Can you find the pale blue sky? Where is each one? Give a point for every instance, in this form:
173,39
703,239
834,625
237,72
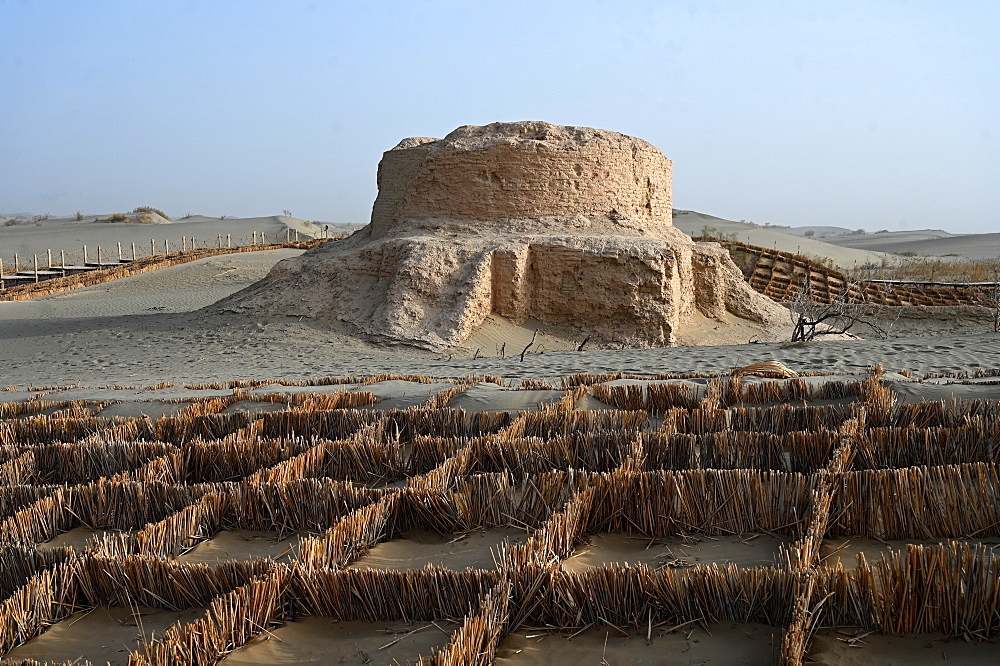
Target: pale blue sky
871,114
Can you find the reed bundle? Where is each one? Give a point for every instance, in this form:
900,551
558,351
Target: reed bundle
165,469
353,535
917,502
373,595
942,414
977,373
317,402
530,384
879,399
121,431
777,419
176,533
550,423
44,430
441,400
14,410
791,390
227,460
213,386
126,506
19,563
79,463
427,452
482,379
444,476
365,458
385,377
38,522
713,501
429,508
16,498
447,422
324,381
570,399
484,501
44,599
181,429
475,643
546,494
333,424
794,643
230,621
653,398
977,441
131,580
795,451
204,407
556,538
528,456
19,470
585,379
640,597
294,506
949,588
307,464
247,383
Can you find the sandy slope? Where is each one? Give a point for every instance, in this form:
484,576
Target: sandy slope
846,247
70,236
108,334
150,328
926,244
844,258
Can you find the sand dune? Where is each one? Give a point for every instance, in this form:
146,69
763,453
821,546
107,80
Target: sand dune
70,236
843,258
845,247
926,244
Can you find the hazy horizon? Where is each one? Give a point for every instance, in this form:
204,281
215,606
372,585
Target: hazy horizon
857,115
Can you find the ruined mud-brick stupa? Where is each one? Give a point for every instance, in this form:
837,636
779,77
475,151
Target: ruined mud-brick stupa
569,226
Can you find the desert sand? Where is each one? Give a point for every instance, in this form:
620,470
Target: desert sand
69,235
160,344
712,644
606,549
318,640
102,635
